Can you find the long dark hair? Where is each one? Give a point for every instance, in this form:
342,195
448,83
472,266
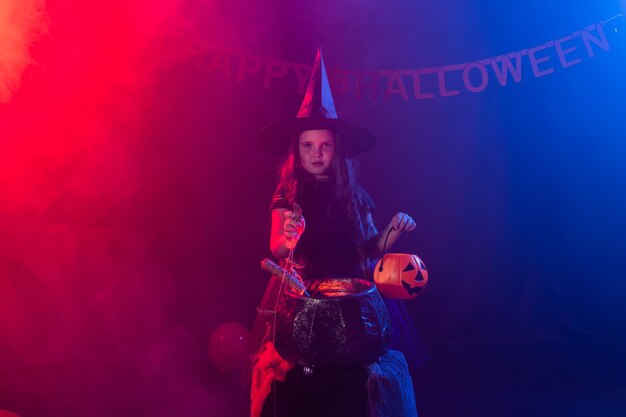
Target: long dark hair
349,195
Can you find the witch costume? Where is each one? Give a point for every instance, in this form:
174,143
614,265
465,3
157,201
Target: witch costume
328,249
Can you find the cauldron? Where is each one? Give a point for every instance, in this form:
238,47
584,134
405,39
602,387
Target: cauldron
343,323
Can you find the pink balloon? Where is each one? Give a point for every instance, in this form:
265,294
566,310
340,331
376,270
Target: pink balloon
5,413
229,347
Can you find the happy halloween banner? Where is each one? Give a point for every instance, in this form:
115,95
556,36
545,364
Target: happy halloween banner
414,83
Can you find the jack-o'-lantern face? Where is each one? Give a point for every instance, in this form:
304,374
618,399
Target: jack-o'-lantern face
413,275
401,275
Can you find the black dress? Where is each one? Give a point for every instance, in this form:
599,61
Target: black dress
325,248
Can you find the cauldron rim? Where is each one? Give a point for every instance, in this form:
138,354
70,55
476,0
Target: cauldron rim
368,285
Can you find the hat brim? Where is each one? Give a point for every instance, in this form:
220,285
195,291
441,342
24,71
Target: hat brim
355,138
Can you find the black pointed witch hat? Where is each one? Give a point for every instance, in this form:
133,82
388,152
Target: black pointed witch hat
317,112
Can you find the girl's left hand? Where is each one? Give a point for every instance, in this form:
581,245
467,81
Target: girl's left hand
403,222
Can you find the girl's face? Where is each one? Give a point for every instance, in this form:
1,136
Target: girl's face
317,149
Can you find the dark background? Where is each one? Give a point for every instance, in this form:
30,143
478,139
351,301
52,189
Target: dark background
134,203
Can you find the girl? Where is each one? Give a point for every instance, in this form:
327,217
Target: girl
333,236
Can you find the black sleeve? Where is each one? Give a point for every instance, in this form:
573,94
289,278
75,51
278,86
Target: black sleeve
370,245
366,202
279,199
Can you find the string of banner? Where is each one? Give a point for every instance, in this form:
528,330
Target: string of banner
410,84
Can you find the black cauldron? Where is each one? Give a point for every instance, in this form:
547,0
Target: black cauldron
343,323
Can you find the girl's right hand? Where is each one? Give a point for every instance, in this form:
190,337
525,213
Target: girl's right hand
293,227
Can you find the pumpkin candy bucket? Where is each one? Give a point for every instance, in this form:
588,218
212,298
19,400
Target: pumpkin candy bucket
400,275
